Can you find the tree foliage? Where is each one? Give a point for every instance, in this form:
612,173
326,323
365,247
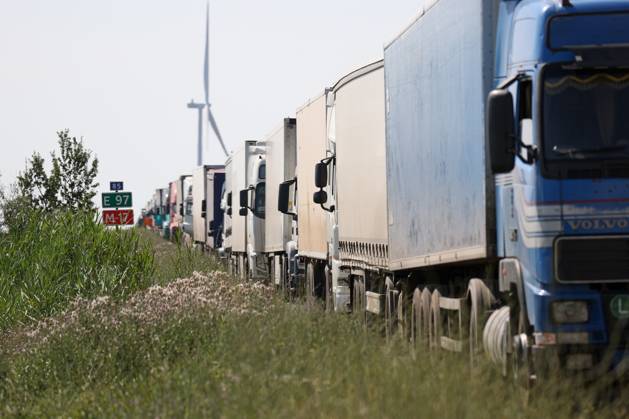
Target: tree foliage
70,183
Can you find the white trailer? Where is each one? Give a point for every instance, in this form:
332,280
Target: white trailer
281,159
247,237
225,250
312,125
207,183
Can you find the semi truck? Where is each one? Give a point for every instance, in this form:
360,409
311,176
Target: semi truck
507,146
280,246
187,206
308,271
248,172
352,184
178,196
225,250
207,216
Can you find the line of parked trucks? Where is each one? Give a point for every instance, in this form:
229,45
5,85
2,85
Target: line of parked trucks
471,189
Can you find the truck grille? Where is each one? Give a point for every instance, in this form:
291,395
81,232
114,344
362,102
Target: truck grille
592,259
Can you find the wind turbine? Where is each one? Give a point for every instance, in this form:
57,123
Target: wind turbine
206,105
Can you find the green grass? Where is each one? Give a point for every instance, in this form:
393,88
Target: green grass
49,259
176,260
290,362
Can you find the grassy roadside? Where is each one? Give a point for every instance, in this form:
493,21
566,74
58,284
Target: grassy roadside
48,259
207,346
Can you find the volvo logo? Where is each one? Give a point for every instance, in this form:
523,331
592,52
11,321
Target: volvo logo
598,224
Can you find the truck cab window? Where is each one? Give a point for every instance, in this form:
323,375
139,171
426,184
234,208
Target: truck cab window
260,200
525,112
596,102
262,172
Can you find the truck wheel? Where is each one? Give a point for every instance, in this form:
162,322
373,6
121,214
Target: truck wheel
521,362
435,321
481,300
403,316
420,318
329,298
389,308
354,284
362,300
310,285
358,297
285,279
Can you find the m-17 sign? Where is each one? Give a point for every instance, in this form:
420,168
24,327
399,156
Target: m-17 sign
117,200
118,217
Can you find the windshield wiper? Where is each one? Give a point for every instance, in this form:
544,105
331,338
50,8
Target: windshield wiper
569,151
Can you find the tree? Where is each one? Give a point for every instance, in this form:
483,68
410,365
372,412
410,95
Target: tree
71,182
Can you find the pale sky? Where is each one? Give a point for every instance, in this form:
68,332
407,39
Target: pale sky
120,72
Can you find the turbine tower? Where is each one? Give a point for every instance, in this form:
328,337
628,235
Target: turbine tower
200,107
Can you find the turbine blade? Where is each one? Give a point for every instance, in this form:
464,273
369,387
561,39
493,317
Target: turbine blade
216,131
206,61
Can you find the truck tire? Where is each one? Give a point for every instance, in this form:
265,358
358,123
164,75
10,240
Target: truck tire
310,285
480,301
435,321
520,357
404,316
390,314
329,298
420,318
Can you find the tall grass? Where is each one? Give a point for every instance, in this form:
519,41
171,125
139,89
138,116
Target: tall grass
290,363
178,260
49,259
287,361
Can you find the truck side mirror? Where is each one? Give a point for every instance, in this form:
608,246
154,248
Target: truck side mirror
229,199
203,208
180,209
243,211
320,197
244,198
321,175
229,211
211,227
282,197
500,131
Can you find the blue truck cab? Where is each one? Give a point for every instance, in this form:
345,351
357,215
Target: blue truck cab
558,139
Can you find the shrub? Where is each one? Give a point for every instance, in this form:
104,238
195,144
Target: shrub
70,183
47,259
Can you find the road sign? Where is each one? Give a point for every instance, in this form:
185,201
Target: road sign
115,186
118,217
117,200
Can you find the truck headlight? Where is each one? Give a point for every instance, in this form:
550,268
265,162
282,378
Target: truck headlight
570,311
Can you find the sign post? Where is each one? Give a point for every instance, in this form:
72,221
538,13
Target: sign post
116,206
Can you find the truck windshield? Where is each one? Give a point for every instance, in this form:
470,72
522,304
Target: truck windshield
586,114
